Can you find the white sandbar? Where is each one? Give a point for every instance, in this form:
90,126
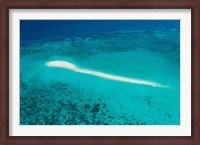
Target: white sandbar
71,66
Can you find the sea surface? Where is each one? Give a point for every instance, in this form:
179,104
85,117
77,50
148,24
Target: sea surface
140,49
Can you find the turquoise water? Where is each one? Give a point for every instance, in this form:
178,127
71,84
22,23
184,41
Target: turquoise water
58,96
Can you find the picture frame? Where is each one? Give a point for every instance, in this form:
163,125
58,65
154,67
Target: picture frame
7,5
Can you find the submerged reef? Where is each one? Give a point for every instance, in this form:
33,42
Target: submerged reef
57,103
163,42
62,104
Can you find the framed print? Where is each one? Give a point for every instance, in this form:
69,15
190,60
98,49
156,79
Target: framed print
103,72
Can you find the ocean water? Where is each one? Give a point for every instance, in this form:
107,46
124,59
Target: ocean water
143,50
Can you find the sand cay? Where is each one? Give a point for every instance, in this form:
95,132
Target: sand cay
71,66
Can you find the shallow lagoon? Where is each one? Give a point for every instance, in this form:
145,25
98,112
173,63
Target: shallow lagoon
57,96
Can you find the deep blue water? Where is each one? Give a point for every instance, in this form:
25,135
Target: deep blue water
139,49
43,29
